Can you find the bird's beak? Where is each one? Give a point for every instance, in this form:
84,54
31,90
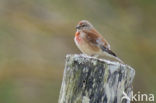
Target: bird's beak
78,27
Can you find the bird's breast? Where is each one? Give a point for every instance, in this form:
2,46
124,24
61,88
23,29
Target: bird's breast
77,37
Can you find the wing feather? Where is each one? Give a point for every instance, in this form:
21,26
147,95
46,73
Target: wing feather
95,39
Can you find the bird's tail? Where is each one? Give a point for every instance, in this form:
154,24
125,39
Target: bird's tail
119,60
113,58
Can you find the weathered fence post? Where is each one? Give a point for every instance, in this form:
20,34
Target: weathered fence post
90,80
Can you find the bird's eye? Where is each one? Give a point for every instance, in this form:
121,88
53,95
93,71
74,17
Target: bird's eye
83,25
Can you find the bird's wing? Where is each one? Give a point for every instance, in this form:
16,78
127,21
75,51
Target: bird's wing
95,39
108,50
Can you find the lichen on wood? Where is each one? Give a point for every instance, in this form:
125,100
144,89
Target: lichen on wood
91,80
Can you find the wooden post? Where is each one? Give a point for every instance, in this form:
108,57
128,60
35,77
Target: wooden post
91,80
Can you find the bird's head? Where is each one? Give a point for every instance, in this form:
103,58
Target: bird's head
84,25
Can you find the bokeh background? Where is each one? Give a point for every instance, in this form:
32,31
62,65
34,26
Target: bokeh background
36,35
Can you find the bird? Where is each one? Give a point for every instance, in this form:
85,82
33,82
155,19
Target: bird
92,43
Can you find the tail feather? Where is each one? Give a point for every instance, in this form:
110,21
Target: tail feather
115,59
111,55
119,60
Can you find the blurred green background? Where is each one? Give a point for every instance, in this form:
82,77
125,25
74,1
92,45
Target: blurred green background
35,36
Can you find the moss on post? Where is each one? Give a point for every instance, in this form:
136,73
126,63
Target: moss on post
90,80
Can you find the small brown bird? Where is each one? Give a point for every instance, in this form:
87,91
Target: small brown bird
90,42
